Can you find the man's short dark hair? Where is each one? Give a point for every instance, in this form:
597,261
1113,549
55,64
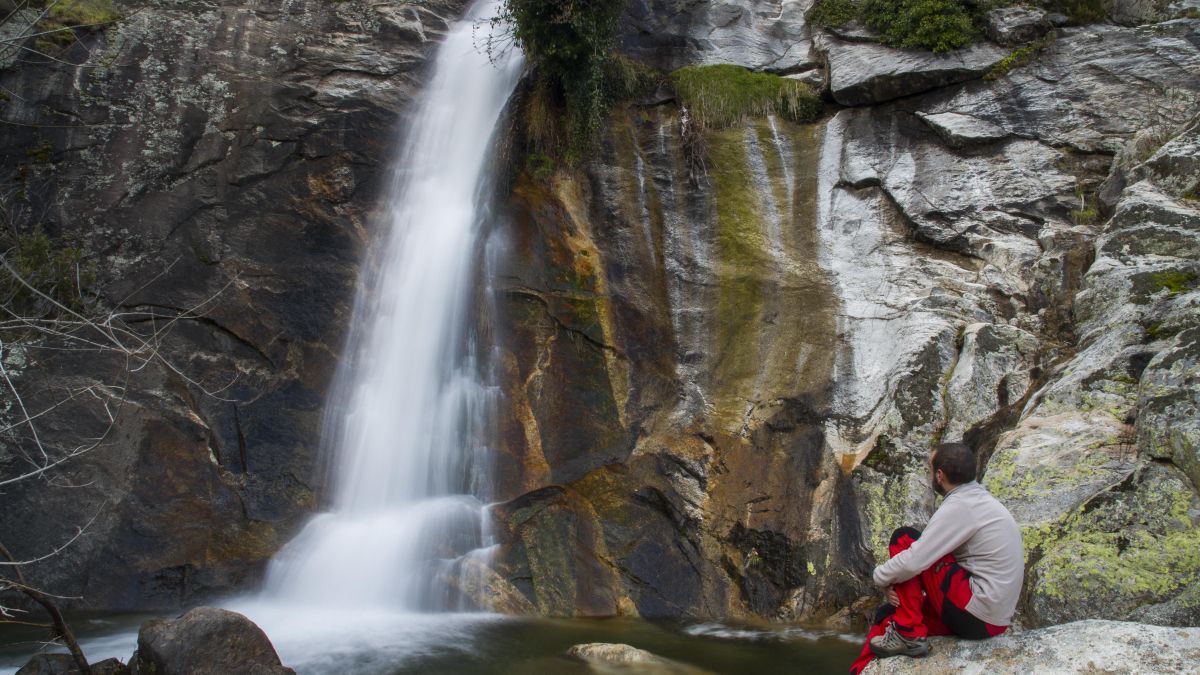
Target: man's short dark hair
957,462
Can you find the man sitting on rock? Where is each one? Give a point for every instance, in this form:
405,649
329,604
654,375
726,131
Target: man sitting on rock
961,576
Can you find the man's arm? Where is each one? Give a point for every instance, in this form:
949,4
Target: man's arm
949,527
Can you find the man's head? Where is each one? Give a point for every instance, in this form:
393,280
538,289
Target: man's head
952,464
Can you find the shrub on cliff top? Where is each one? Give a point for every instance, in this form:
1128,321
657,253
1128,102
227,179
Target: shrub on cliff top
570,42
935,25
722,95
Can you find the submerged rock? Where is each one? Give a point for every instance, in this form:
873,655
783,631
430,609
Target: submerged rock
64,664
205,641
624,658
1081,647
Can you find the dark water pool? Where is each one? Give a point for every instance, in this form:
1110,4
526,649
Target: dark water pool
383,643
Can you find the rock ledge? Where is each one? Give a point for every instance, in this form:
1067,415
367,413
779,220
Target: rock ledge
1092,646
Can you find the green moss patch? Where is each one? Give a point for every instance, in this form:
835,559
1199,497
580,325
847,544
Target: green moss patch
1174,282
740,246
722,95
84,12
63,20
1021,56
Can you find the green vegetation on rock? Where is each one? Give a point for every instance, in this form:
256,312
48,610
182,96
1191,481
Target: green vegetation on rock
570,42
1125,549
1175,282
1022,56
54,268
1080,12
834,13
723,95
84,12
64,17
935,25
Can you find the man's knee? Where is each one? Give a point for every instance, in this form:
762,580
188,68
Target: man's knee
904,536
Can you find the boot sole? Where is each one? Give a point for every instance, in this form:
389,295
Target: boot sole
915,652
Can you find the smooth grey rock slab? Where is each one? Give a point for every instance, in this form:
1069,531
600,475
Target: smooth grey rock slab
1078,647
768,35
863,73
960,131
1092,88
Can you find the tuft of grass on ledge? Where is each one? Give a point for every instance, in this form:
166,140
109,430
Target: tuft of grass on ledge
1022,56
723,95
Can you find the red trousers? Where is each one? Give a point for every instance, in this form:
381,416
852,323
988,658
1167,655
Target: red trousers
932,603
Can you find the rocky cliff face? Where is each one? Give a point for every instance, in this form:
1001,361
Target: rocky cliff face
728,384
721,380
218,163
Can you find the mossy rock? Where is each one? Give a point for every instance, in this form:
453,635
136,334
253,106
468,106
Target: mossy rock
1137,544
722,95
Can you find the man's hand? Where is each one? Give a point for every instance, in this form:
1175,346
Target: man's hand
893,598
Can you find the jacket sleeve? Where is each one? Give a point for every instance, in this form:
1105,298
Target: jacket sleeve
950,526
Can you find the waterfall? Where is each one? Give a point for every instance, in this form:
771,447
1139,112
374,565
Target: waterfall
403,437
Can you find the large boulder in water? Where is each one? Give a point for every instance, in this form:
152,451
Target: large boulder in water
205,641
1078,647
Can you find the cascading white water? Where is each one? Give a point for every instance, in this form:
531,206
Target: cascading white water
401,498
353,592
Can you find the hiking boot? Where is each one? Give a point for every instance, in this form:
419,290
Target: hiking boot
892,643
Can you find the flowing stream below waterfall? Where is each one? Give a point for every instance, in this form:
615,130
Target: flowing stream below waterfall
465,644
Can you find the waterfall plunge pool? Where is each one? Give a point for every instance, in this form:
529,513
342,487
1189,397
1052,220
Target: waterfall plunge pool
364,642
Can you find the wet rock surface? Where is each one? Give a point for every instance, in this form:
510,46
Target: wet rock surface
941,264
64,664
205,641
768,35
1078,647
